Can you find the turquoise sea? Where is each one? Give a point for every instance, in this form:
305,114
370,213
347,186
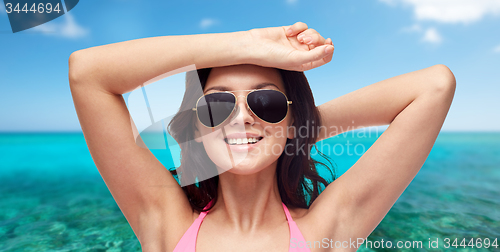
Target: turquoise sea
53,198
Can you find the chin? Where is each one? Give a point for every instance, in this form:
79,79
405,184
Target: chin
242,166
244,169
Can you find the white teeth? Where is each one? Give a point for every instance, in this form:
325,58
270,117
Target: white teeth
242,140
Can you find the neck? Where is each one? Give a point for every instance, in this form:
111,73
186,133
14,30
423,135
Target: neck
248,202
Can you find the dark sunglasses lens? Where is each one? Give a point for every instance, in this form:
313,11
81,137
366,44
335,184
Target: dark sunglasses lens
214,108
269,105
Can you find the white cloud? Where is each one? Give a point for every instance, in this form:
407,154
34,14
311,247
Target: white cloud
450,11
445,11
207,22
67,29
431,35
497,49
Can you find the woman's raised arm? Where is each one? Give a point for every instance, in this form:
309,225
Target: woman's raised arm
144,190
415,106
121,67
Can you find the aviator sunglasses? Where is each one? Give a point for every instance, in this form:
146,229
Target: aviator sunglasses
268,105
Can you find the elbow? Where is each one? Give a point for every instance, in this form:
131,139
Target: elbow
78,67
74,68
445,82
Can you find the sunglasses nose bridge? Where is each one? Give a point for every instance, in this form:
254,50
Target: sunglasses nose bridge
245,115
243,100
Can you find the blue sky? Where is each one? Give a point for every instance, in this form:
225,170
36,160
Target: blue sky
373,39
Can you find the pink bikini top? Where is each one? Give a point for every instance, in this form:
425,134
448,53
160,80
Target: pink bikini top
188,240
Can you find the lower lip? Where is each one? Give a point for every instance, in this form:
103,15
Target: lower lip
243,147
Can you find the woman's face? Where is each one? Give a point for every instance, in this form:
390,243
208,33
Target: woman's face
251,157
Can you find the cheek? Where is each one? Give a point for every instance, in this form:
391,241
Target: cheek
277,136
204,134
216,150
282,130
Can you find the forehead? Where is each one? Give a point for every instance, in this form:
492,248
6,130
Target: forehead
243,77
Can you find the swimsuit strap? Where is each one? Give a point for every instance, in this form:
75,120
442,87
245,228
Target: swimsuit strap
188,240
295,234
204,213
287,213
209,204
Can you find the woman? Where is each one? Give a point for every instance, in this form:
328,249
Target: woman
248,213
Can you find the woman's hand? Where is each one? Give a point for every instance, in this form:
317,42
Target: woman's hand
292,47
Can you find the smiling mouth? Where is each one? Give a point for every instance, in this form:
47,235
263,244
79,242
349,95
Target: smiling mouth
242,141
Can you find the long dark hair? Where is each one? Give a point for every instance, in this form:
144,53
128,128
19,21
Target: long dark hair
299,182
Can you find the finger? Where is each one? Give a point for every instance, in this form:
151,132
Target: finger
314,40
328,41
295,29
312,65
324,60
329,57
305,58
311,36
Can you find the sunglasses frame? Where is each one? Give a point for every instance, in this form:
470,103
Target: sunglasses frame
288,102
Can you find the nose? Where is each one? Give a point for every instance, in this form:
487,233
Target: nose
242,115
